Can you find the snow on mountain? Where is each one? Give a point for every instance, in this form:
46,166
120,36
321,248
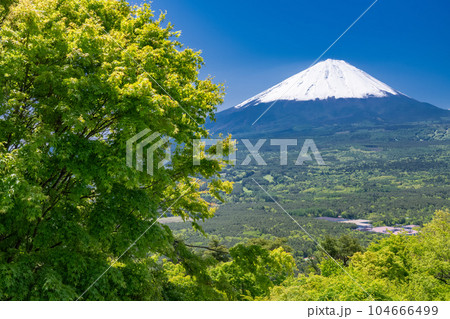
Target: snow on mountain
324,80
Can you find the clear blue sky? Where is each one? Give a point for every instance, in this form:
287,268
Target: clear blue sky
252,45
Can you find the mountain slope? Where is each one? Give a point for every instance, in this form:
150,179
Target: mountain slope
327,79
331,92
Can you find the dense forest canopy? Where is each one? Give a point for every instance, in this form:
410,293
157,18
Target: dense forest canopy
79,78
399,267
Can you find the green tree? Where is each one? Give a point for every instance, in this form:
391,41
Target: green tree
217,251
431,250
390,258
4,9
416,267
78,79
341,248
398,267
252,271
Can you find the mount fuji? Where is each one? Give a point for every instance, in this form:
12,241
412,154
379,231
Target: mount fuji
331,92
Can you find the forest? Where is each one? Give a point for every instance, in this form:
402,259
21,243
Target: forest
79,79
390,183
393,268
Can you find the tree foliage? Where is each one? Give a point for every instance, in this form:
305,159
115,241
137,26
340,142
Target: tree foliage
78,78
250,274
341,248
399,267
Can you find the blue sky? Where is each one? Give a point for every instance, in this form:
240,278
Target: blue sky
252,45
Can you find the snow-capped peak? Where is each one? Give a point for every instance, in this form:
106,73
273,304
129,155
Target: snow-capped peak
326,79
